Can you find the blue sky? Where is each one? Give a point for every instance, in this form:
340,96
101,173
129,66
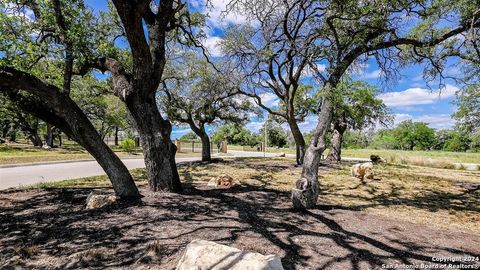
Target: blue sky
409,97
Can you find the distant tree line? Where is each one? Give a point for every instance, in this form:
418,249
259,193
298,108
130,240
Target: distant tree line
410,135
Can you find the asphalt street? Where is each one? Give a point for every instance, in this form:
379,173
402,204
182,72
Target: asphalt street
32,174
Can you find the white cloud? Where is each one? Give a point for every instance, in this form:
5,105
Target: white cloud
417,96
438,121
213,46
13,10
371,75
309,123
269,99
218,15
310,72
254,126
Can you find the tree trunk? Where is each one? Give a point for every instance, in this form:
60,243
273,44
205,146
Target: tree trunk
30,129
305,193
200,131
83,132
299,141
49,136
158,149
58,109
5,129
116,136
205,147
335,152
117,172
36,139
13,133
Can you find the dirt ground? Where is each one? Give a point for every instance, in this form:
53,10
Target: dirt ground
51,229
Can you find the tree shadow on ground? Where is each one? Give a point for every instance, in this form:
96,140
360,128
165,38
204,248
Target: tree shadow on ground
427,197
154,231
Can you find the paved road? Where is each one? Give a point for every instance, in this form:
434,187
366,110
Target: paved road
31,174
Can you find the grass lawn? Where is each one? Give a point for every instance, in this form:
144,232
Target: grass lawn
435,159
415,157
19,153
436,197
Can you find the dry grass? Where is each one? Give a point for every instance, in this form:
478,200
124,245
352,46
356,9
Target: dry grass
436,159
441,198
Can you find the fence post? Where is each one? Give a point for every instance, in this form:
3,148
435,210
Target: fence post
178,144
137,141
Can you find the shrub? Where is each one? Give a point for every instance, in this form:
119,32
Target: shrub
127,145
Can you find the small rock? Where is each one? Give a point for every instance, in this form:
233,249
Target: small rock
363,170
95,201
223,180
377,159
281,154
201,254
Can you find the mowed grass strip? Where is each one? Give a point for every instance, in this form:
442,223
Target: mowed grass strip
440,198
434,159
19,154
439,159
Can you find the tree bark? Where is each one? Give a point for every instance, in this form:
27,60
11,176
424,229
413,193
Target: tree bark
30,129
299,141
335,152
5,128
58,109
49,136
159,151
206,156
116,136
13,133
200,131
35,139
305,193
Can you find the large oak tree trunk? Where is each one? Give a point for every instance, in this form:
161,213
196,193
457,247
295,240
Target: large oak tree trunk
159,151
35,139
71,120
31,131
299,141
58,109
49,136
337,140
305,193
206,156
200,131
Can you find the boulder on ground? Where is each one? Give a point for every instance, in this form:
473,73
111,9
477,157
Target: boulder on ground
201,254
223,180
377,159
281,154
363,170
46,147
95,201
